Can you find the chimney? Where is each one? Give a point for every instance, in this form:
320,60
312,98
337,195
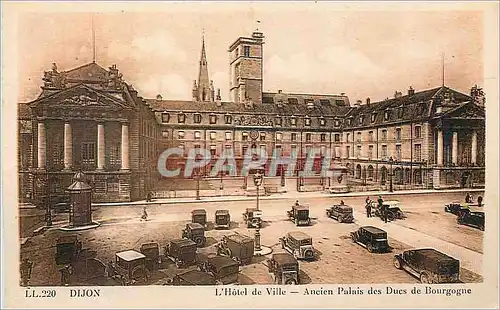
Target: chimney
218,99
280,91
342,94
397,94
358,103
368,101
411,91
159,97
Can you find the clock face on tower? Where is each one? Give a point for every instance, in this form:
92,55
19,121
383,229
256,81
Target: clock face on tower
254,135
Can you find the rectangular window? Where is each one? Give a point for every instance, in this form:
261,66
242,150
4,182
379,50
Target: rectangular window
398,134
244,136
398,151
229,135
213,135
337,123
384,134
358,139
181,118
88,153
384,151
418,132
322,122
262,136
322,137
308,137
213,119
336,137
322,150
244,150
278,120
370,136
293,101
262,147
165,117
180,135
307,121
358,151
228,119
386,115
246,51
349,121
293,121
308,149
370,151
114,155
418,152
293,136
164,134
347,151
361,119
213,150
324,101
293,149
347,137
374,117
197,135
279,136
197,118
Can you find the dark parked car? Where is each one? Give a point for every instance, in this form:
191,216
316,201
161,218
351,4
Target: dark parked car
131,266
341,213
455,208
195,232
199,216
222,219
298,244
224,269
152,252
181,251
372,238
238,247
299,214
253,217
470,218
192,278
429,265
393,211
67,248
284,268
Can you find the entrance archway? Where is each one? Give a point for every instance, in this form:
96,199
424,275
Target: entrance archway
383,175
358,172
370,172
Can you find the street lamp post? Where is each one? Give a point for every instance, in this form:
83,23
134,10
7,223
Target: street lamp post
257,180
197,177
390,174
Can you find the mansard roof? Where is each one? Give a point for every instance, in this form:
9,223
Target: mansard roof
88,72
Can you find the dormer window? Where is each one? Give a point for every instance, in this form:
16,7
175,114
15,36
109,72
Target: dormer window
228,119
307,121
349,121
400,112
165,117
293,121
374,117
181,118
309,103
386,115
213,119
278,120
361,119
197,118
322,122
337,123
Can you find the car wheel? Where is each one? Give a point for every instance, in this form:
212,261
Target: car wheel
390,217
309,254
397,263
290,282
369,247
425,279
481,227
340,219
353,238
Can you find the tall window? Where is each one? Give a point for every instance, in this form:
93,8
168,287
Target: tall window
374,117
293,121
165,117
322,122
279,136
181,118
384,151
244,136
180,135
398,151
88,153
246,51
370,136
418,152
228,119
229,135
336,137
244,150
336,123
213,150
323,137
370,151
114,155
293,136
358,151
347,137
358,139
384,134
262,136
308,137
278,120
418,132
197,118
307,121
398,134
213,119
293,149
197,135
347,151
164,134
213,135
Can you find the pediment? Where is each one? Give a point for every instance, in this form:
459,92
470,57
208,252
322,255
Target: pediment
81,96
466,111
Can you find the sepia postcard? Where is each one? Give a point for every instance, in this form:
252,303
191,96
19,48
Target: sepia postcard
250,154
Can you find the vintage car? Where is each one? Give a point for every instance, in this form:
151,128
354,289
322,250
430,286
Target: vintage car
299,244
393,210
471,218
299,214
222,219
341,213
372,238
253,217
195,232
284,268
130,267
238,247
224,269
67,248
192,278
429,265
199,216
182,252
152,252
455,208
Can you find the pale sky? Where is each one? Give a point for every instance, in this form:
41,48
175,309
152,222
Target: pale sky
309,48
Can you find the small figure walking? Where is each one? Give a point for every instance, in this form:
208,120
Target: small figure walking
342,203
144,214
368,207
65,274
296,202
468,198
48,217
479,201
26,268
149,197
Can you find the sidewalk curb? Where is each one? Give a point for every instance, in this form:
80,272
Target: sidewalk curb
281,196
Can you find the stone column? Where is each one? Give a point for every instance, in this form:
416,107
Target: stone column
101,149
42,145
440,148
454,148
68,146
473,157
125,147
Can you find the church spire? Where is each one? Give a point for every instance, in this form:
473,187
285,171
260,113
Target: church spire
204,93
